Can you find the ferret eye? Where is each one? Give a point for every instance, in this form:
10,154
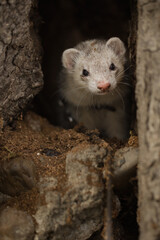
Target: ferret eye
85,73
112,67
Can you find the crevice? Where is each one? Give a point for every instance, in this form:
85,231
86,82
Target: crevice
65,25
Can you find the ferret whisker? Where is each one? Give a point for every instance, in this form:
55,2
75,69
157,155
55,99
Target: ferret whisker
123,71
112,92
116,89
128,68
124,83
120,74
126,76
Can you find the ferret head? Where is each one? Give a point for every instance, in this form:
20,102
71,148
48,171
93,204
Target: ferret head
95,65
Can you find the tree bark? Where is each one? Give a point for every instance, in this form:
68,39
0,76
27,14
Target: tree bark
20,70
148,101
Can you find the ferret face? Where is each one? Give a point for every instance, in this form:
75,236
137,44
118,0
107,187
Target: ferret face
97,67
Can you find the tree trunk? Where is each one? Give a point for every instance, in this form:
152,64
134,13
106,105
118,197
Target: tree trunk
20,69
148,101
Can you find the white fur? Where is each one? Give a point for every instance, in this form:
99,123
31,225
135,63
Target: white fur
81,92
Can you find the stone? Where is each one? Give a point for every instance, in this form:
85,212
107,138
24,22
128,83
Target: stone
124,166
47,183
17,175
16,225
77,212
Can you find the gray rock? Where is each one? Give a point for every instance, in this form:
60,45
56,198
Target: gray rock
78,212
16,225
47,183
124,165
17,175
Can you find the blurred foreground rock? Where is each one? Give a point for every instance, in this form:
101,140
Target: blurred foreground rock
78,212
55,177
125,166
17,175
16,225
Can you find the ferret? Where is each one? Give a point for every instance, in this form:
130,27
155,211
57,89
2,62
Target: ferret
94,85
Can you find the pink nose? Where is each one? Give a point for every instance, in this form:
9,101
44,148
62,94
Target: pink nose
103,86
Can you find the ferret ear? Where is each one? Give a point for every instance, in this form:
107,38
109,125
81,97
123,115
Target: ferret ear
69,57
116,45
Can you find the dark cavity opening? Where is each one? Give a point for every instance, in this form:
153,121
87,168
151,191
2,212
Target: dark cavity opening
63,25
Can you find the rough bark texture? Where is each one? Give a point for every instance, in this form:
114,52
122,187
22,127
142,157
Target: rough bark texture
20,70
148,98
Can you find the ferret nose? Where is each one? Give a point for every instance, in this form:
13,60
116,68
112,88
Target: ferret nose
103,86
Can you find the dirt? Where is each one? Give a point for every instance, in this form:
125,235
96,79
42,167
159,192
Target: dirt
35,139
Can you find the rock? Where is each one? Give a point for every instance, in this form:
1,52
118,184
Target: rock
16,225
77,212
3,198
47,183
33,121
16,175
125,166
